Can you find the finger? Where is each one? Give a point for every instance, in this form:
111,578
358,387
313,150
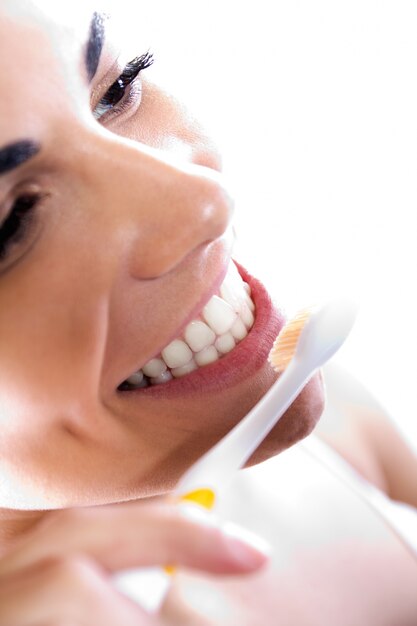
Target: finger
66,591
124,536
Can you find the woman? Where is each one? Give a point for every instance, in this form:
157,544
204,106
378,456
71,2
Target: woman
123,356
111,244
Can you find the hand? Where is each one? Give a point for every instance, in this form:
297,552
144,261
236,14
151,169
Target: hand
60,572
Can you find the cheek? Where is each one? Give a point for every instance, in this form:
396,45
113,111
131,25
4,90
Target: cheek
51,346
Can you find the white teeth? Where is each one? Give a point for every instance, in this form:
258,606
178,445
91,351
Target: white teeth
249,302
219,315
177,354
162,378
234,292
206,356
233,274
135,379
247,316
227,320
177,372
238,330
229,294
225,343
154,368
198,335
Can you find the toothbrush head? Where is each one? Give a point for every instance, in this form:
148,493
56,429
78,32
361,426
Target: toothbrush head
314,334
285,344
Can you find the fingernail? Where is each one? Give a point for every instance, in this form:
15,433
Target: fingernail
243,546
248,549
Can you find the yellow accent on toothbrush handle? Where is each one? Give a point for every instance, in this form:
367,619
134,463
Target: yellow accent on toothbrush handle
203,497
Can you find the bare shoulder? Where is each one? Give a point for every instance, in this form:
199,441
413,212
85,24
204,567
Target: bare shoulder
358,427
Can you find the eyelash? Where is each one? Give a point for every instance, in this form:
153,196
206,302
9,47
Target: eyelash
18,222
115,99
22,214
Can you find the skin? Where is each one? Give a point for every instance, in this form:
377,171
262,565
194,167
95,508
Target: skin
166,248
356,425
134,231
135,228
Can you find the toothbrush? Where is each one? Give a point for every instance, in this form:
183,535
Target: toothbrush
304,344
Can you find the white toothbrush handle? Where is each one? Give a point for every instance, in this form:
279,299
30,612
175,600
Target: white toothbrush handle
319,340
148,587
231,452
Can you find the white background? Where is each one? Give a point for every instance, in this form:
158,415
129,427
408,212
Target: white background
314,104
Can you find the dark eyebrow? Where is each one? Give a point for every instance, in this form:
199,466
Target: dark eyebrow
95,44
17,153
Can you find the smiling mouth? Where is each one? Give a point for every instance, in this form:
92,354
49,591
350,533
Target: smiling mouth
223,323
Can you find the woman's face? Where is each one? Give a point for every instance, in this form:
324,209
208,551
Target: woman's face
115,235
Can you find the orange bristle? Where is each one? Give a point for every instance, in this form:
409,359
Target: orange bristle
285,344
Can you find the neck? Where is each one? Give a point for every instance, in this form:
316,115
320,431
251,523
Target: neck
14,523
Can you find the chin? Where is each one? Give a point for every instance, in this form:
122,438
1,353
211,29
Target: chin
298,421
229,408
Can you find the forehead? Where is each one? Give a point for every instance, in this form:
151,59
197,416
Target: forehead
127,18
26,22
40,60
33,11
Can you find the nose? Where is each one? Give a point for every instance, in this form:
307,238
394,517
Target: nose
159,209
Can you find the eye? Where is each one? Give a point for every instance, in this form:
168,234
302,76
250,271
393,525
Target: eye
125,91
19,224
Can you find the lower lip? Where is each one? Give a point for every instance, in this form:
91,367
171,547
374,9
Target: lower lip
241,363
